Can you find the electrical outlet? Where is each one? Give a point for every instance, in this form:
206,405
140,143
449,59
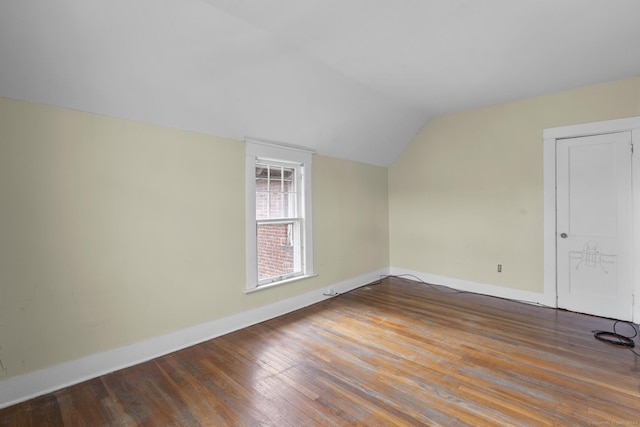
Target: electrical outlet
499,268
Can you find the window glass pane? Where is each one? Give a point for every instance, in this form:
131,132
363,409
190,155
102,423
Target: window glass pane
282,205
290,206
275,178
275,191
276,206
288,179
262,205
262,184
276,250
262,170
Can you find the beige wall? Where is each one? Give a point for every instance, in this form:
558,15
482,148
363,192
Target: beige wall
113,231
351,218
466,194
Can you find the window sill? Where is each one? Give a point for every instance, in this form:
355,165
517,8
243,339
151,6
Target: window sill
282,282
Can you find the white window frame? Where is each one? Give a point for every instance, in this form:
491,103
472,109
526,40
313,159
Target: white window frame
301,159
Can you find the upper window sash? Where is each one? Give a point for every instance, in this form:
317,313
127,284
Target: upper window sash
278,187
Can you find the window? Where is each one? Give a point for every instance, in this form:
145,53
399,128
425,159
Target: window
279,247
278,221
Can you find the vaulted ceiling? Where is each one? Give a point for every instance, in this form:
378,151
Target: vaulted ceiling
354,79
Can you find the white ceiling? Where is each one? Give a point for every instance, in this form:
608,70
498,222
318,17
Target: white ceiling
354,79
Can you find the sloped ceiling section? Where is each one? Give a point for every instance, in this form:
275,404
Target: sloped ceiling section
354,79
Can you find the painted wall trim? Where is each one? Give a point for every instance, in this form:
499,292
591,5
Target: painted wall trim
593,128
23,387
550,135
475,287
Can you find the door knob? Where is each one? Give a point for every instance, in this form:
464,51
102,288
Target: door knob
563,235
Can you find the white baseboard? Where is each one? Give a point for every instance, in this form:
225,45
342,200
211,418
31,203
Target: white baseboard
475,287
27,386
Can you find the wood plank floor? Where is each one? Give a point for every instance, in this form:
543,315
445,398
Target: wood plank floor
395,353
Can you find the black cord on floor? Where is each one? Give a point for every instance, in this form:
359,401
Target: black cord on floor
616,338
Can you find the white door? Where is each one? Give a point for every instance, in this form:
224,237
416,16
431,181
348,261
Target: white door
593,225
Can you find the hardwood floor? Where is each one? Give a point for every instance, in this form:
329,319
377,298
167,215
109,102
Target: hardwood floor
394,353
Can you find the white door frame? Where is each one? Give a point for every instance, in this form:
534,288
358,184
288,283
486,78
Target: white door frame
550,136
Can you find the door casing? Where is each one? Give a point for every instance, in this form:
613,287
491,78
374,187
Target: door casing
550,136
